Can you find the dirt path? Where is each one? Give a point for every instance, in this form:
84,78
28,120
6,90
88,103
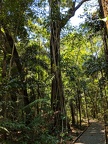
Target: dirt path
95,134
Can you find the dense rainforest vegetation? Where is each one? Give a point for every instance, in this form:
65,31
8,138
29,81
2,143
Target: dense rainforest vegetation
53,76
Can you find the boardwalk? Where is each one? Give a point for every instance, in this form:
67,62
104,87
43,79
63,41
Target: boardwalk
93,135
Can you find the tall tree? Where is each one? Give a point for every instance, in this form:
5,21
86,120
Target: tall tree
58,21
10,33
105,10
104,13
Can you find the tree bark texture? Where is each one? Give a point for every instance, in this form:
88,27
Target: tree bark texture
105,10
57,96
103,13
56,23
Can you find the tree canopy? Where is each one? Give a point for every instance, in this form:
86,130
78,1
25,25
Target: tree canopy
53,76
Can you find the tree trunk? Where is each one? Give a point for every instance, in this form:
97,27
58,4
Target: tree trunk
19,66
11,49
79,106
104,13
57,22
4,97
57,96
72,107
86,105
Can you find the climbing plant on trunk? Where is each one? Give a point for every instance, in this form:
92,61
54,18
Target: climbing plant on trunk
57,22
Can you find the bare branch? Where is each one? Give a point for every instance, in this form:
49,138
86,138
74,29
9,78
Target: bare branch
71,12
78,6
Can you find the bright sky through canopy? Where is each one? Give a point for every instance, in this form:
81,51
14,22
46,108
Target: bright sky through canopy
76,20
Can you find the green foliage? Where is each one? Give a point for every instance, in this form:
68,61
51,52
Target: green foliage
82,63
13,13
36,132
35,102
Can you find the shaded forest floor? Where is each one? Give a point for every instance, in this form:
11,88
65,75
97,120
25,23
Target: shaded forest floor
71,137
74,132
